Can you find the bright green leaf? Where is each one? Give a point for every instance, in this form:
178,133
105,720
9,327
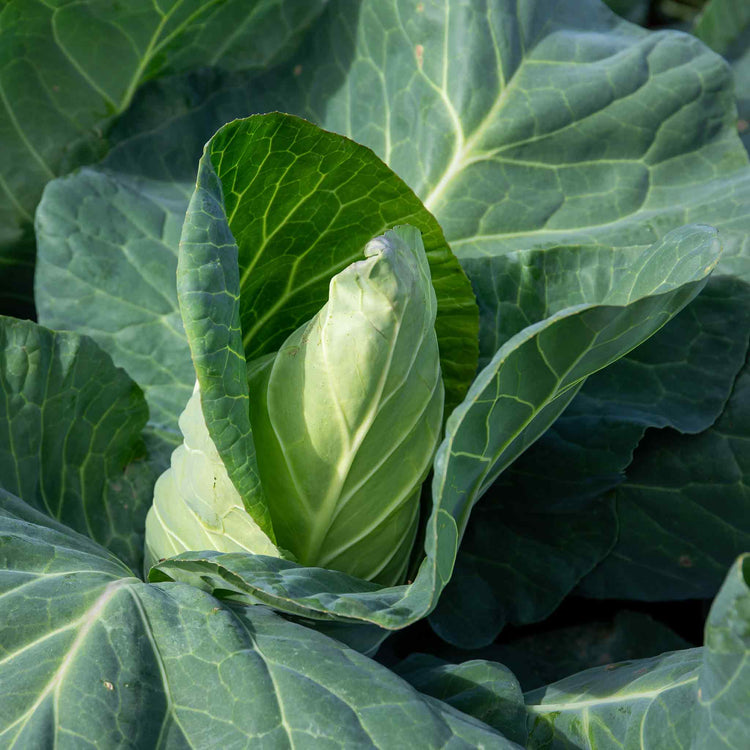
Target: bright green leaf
280,207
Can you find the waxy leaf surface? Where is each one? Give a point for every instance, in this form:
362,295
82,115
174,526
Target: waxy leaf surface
92,655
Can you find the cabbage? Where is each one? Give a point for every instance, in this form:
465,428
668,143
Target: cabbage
346,417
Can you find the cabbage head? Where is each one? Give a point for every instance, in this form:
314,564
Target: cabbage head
346,417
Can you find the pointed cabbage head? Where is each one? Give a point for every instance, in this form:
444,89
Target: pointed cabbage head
347,415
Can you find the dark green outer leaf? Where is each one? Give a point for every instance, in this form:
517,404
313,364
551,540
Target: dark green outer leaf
516,563
483,689
564,126
70,435
684,511
90,656
540,658
68,67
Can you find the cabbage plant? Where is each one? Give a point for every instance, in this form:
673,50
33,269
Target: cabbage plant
346,418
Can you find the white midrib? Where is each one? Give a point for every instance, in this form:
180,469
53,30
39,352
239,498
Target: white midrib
594,702
86,623
464,154
328,507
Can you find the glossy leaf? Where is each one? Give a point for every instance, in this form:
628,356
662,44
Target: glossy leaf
363,374
504,135
281,206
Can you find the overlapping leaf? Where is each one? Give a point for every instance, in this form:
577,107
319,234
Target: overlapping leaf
552,499
70,435
684,699
280,207
684,511
107,263
552,654
489,571
483,689
563,127
108,238
609,140
89,654
67,68
514,398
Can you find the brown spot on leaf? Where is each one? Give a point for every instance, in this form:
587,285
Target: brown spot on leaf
685,561
297,70
108,685
419,53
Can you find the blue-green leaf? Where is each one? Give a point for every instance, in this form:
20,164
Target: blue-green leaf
90,655
70,435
